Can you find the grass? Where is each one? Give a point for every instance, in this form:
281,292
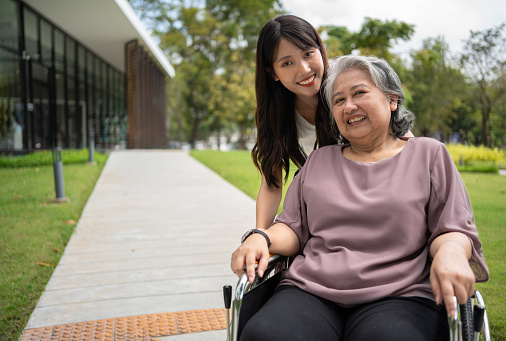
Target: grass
34,231
237,168
488,197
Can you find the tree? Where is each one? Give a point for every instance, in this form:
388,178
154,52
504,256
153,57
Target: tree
484,62
206,41
234,98
374,38
438,92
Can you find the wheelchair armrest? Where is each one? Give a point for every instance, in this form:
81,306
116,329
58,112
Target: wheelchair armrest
276,263
275,266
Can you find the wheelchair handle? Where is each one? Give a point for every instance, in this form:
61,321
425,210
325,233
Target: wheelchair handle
478,320
227,295
454,323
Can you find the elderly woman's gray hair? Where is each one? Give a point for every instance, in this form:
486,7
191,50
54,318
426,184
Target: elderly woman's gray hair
384,77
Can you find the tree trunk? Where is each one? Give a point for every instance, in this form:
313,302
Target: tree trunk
195,129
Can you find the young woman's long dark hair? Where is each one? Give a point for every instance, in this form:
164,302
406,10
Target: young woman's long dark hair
277,141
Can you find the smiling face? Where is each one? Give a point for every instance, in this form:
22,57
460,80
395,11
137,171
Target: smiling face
300,71
361,110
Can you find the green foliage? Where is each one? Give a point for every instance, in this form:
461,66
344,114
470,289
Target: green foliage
484,62
211,44
45,157
479,168
466,154
34,232
487,193
207,42
374,38
439,92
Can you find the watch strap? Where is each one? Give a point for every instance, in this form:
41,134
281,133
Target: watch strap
259,232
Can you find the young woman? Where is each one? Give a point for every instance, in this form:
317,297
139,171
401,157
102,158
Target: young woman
291,117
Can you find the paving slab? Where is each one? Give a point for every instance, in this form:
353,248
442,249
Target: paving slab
155,237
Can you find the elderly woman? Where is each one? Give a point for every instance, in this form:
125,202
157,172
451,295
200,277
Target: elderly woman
380,227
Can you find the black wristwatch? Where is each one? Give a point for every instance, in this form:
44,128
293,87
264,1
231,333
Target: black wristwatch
250,232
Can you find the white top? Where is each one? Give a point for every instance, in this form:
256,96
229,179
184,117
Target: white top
306,133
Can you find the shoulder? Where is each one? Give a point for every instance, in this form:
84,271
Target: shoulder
327,150
426,145
427,142
322,155
433,151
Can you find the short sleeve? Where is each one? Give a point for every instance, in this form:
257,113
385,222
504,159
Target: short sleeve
449,209
294,212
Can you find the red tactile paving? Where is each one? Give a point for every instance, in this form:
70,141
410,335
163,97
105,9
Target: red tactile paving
133,328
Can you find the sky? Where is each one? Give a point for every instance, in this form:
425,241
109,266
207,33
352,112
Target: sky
452,19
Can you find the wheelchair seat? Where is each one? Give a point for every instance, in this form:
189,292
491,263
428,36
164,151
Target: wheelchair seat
470,321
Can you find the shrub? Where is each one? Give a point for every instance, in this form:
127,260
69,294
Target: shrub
472,154
45,158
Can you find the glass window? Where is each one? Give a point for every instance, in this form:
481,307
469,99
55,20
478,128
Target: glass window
40,121
89,65
97,117
12,117
71,55
71,113
61,130
31,34
46,42
81,61
9,23
40,73
59,50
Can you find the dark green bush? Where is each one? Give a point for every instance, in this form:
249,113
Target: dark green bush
479,168
45,158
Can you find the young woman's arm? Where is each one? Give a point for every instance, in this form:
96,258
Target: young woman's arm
268,201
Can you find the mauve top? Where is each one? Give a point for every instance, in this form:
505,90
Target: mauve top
365,228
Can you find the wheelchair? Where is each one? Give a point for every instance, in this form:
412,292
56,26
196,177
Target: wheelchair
469,322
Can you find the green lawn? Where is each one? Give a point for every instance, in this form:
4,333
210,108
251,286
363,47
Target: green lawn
237,167
34,232
488,197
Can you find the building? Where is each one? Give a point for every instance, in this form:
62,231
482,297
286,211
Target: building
73,71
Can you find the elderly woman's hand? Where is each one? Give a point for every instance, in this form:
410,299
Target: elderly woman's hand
253,249
451,274
283,242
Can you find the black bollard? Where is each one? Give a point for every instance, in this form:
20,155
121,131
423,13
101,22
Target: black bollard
91,148
58,176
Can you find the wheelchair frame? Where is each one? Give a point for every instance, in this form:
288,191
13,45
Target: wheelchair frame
469,322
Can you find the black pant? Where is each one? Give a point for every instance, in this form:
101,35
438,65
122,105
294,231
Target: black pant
293,314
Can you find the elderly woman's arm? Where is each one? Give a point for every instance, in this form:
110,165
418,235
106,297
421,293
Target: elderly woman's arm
283,242
450,274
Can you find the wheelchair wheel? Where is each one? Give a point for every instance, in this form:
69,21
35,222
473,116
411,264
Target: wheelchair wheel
466,316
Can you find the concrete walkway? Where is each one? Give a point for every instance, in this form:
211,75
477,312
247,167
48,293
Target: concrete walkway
155,238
